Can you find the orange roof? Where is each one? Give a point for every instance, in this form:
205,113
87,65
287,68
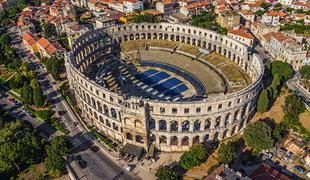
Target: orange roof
246,12
301,15
151,11
280,36
241,32
92,1
299,3
51,49
267,172
268,36
43,42
166,2
29,39
274,13
197,5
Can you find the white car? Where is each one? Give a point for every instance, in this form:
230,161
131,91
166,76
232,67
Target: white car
128,168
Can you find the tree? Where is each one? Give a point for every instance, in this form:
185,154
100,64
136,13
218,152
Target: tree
282,69
263,101
305,71
294,105
278,131
265,6
145,18
227,152
55,162
166,173
5,40
27,94
259,12
194,157
38,95
258,135
49,30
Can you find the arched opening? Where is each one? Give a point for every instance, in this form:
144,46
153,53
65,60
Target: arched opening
162,140
138,123
197,125
227,119
106,110
99,106
128,136
115,127
208,124
206,138
233,131
174,141
152,124
224,134
162,125
185,126
139,139
174,126
107,122
185,141
218,121
196,140
113,113
216,136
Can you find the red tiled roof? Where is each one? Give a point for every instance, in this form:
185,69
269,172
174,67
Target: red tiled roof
266,172
280,36
299,3
273,13
29,39
242,33
43,42
197,5
151,11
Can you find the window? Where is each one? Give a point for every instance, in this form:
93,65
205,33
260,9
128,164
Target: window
220,106
174,110
162,110
238,100
229,104
186,111
111,98
198,110
210,108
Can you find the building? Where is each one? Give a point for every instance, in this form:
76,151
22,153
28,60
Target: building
132,6
228,19
169,125
294,145
194,8
73,31
305,5
272,18
31,42
260,29
242,35
286,2
267,172
152,12
25,24
104,22
247,17
117,5
49,49
286,49
178,18
3,5
224,172
165,7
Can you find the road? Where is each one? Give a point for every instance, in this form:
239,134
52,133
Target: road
99,166
292,84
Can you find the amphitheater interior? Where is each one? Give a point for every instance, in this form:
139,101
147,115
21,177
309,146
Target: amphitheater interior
165,85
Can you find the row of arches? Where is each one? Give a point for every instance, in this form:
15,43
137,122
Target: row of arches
136,138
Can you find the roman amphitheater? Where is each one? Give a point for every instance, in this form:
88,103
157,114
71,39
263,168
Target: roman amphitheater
165,84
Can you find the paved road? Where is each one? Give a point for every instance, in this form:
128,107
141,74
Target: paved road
16,109
292,84
99,166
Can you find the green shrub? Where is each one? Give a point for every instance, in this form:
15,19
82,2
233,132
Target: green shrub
44,114
104,140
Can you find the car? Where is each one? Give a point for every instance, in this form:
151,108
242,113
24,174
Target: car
82,163
94,148
128,168
299,169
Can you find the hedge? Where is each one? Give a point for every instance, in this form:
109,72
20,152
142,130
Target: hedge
104,140
44,114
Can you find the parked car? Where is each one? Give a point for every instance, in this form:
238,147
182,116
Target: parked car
128,168
299,169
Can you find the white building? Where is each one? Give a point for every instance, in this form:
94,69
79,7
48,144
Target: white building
272,18
104,22
286,2
242,35
165,7
132,5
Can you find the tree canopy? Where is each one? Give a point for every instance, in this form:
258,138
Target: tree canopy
305,71
145,18
166,173
49,30
258,135
282,68
227,152
263,101
194,157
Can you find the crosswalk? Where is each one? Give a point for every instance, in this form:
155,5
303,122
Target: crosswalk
87,137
